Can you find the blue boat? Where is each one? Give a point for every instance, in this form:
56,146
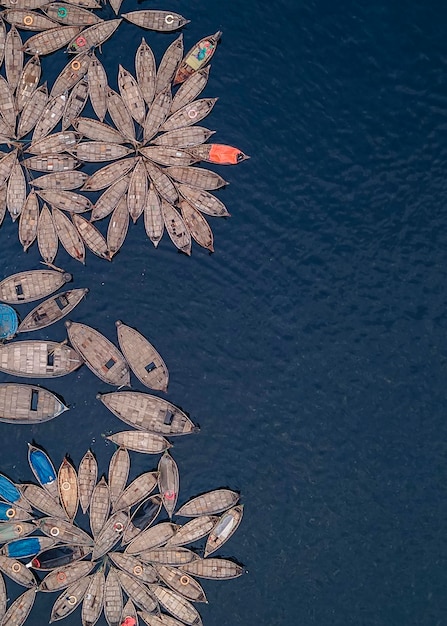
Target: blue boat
8,322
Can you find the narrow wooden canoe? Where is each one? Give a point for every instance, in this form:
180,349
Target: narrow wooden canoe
38,359
129,611
209,503
63,577
2,42
118,473
168,155
180,582
151,538
110,534
199,56
218,153
113,598
28,81
109,174
24,547
197,225
12,530
146,443
19,610
16,191
138,489
184,137
189,114
31,285
146,412
190,89
23,4
110,198
100,151
131,94
99,507
161,21
169,556
66,181
9,512
87,475
224,529
153,218
7,104
137,191
69,599
118,226
6,164
68,235
176,227
47,239
50,116
213,568
32,111
93,36
51,163
51,40
120,115
162,183
55,144
133,566
17,572
71,74
196,177
158,112
193,530
67,481
144,360
70,15
169,64
138,592
143,517
28,20
176,605
28,404
100,355
52,310
13,58
92,237
75,103
97,81
93,599
116,5
40,499
168,482
145,69
58,556
29,220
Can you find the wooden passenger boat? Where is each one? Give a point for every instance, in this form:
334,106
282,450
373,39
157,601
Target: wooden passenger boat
93,599
176,227
51,163
55,143
146,443
152,537
75,103
8,322
218,153
25,547
118,227
66,181
100,151
110,198
131,94
31,285
176,605
213,568
71,74
161,21
168,155
69,599
13,58
87,475
209,503
113,598
143,516
19,610
2,40
120,115
190,89
153,218
138,592
38,359
28,404
197,225
169,556
118,473
116,5
47,239
146,412
12,530
110,534
67,482
9,492
32,110
145,69
196,177
99,507
133,566
98,131
107,175
158,112
50,116
184,137
16,191
69,14
162,183
15,570
28,20
224,529
193,530
40,499
199,56
93,36
28,81
62,577
68,235
144,360
9,512
129,611
168,482
92,237
51,40
43,469
180,582
22,4
137,190
29,220
97,81
58,556
7,104
169,64
100,355
6,164
189,114
52,310
138,489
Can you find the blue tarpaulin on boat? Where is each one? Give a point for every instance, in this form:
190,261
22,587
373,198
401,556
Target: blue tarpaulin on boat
8,491
4,507
8,322
42,466
30,546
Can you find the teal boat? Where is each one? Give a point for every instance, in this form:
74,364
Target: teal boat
8,322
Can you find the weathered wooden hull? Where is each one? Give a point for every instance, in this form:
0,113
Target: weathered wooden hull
199,56
209,503
87,475
146,443
31,285
224,529
28,404
52,310
168,482
161,21
38,359
67,482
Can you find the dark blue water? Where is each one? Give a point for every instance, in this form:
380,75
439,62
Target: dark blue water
311,346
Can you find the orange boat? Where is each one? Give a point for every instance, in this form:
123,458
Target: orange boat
218,153
197,57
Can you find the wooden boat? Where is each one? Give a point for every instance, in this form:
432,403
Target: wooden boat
146,412
31,285
24,547
169,556
158,112
144,360
131,94
50,116
13,58
3,205
69,599
22,4
143,517
145,69
98,131
134,567
91,236
28,20
97,81
118,473
152,537
138,592
70,15
61,578
9,512
9,492
169,64
113,598
66,181
193,530
93,36
17,572
67,482
146,443
116,5
118,226
50,40
87,475
224,529
100,151
197,225
71,74
138,489
47,239
196,177
168,482
191,88
32,110
28,81
43,469
51,163
68,235
54,144
64,531
7,104
153,218
100,355
28,404
129,611
161,21
58,556
8,322
120,115
6,164
176,605
12,530
213,568
16,191
75,103
40,499
93,599
99,507
180,582
2,42
189,114
86,4
184,137
209,503
110,534
19,610
167,155
110,198
107,175
176,227
197,57
162,183
52,310
218,153
38,359
29,220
